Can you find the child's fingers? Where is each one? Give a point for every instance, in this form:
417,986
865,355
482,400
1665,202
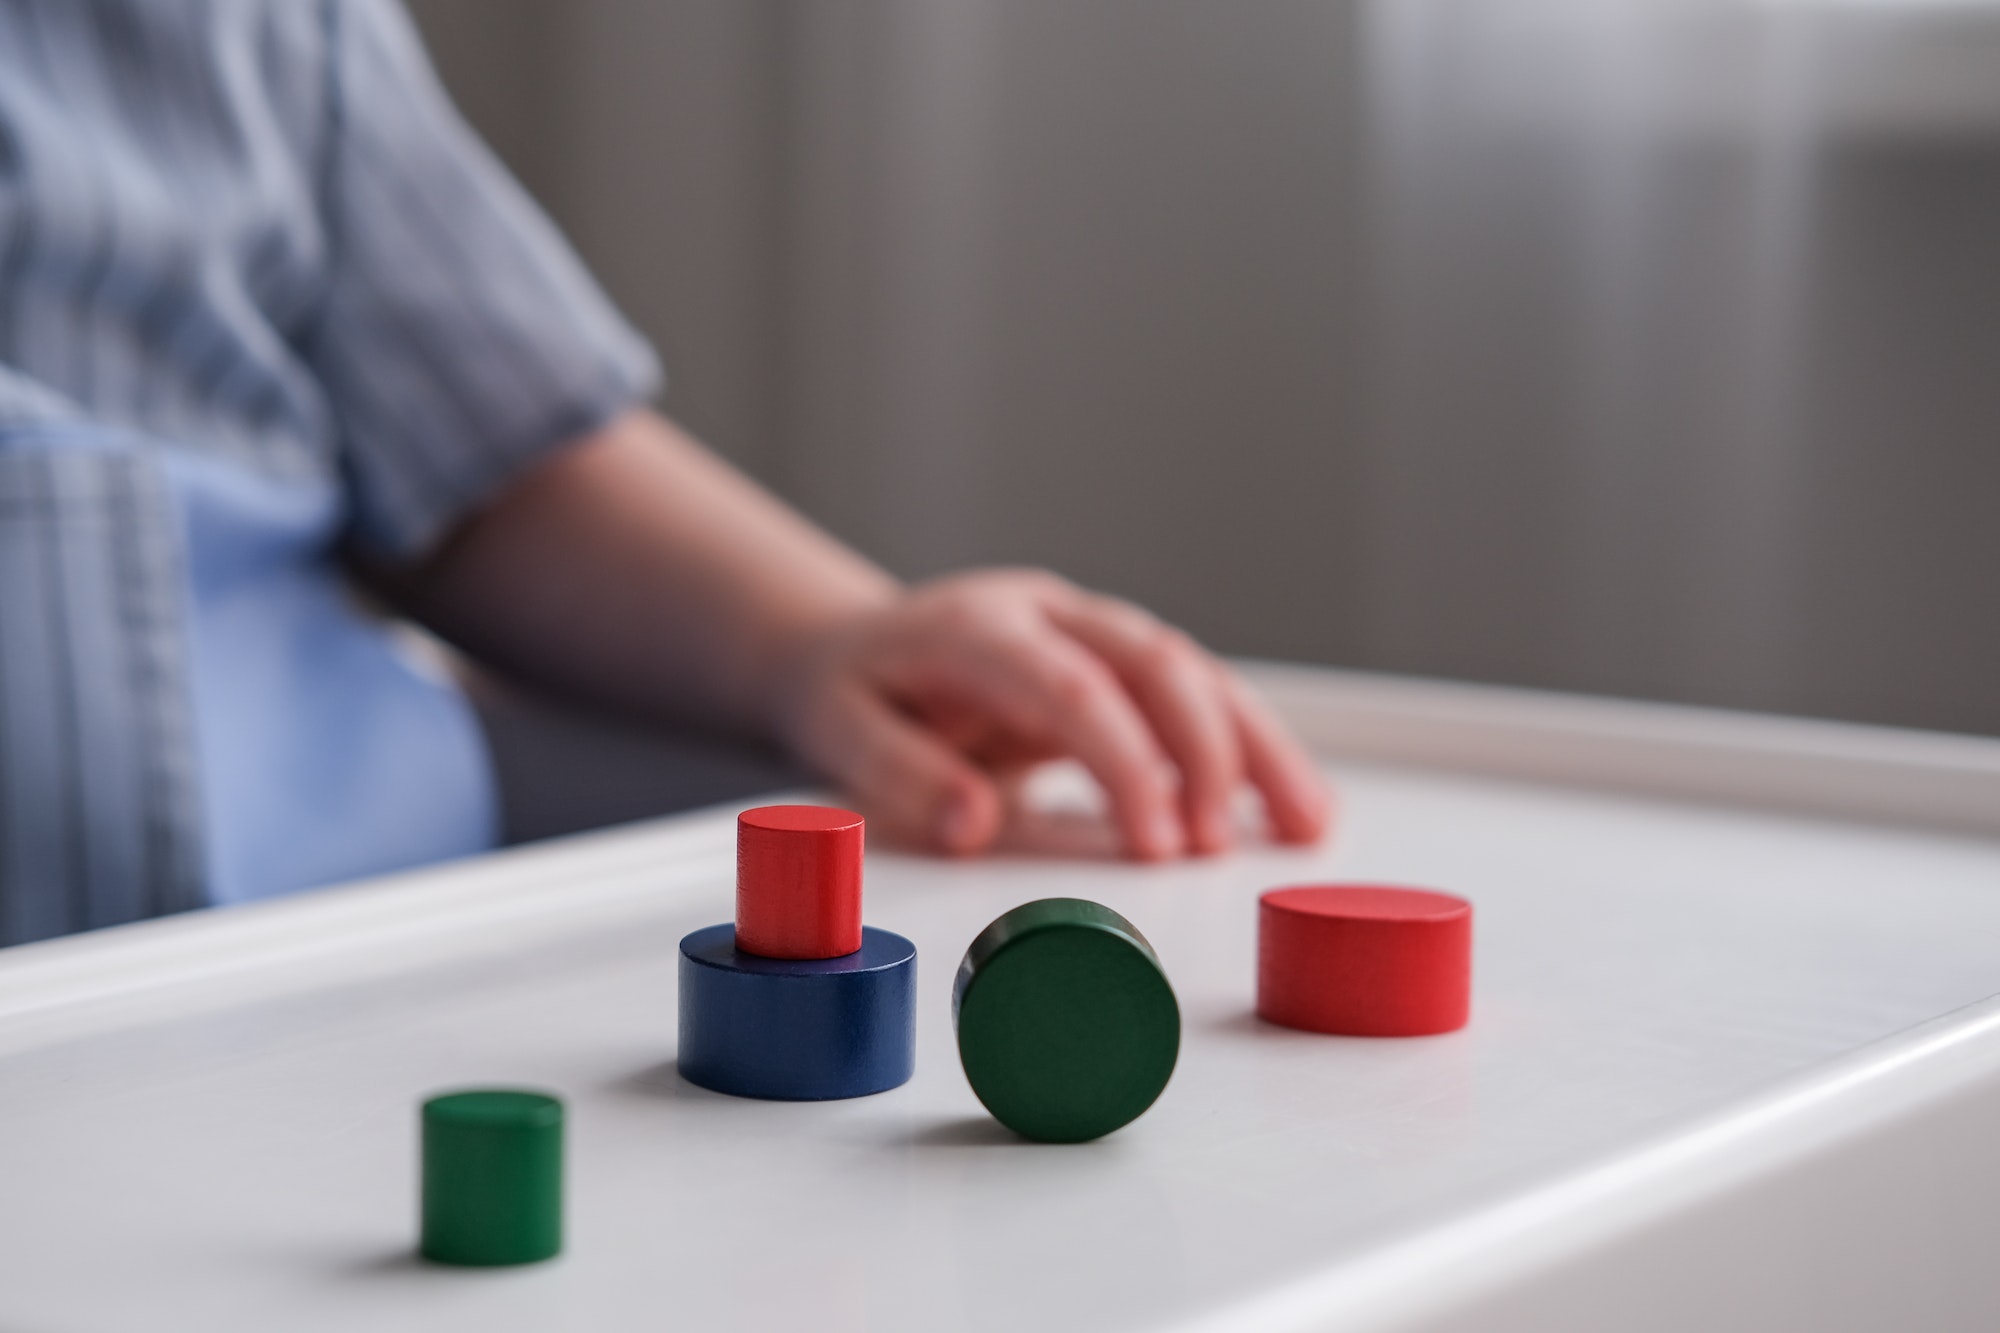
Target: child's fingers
1177,687
903,775
1046,685
1091,717
1294,791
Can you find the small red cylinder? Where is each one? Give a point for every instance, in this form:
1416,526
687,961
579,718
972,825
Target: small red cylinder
1364,960
798,881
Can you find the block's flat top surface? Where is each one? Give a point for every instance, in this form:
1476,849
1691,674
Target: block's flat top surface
233,1147
1367,902
715,946
494,1108
1067,1024
799,819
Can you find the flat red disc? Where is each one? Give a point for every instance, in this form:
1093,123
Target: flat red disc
798,881
1364,960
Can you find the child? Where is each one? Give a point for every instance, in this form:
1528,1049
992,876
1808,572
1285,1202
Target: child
269,315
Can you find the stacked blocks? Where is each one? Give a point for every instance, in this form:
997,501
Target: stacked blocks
797,1000
492,1178
1067,1026
1364,960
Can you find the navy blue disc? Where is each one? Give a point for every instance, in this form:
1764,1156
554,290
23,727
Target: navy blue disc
798,1029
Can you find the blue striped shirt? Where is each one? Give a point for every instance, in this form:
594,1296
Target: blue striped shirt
262,294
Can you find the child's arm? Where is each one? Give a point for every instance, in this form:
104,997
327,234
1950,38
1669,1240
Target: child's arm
637,568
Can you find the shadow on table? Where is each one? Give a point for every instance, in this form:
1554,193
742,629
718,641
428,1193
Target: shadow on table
965,1131
1243,1024
663,1082
388,1263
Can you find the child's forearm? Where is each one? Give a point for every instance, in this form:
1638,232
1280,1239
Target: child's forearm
638,570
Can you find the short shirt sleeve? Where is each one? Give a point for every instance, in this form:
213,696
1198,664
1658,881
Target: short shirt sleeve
460,337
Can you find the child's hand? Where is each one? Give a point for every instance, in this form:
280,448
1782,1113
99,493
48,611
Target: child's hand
924,708
635,568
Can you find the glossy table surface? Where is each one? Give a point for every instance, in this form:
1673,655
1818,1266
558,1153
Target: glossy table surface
210,1120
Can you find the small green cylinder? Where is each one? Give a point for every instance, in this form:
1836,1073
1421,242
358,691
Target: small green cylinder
492,1178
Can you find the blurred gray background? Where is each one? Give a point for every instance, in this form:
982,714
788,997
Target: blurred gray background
1647,349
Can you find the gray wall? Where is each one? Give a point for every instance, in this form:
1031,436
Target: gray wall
1640,348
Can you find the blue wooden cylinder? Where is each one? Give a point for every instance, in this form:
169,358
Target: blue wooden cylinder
797,1029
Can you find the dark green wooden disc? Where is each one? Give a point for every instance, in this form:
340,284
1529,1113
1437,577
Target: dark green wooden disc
492,1177
1067,1026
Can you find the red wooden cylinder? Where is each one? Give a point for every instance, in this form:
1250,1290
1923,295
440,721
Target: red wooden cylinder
1364,960
798,881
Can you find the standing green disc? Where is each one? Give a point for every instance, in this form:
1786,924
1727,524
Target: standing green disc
1067,1027
492,1178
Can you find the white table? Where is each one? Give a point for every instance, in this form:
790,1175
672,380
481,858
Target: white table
1732,1064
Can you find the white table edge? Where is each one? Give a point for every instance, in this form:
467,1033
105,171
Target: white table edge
1450,1268
1837,770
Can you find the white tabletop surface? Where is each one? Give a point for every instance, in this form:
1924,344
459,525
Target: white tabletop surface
209,1123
